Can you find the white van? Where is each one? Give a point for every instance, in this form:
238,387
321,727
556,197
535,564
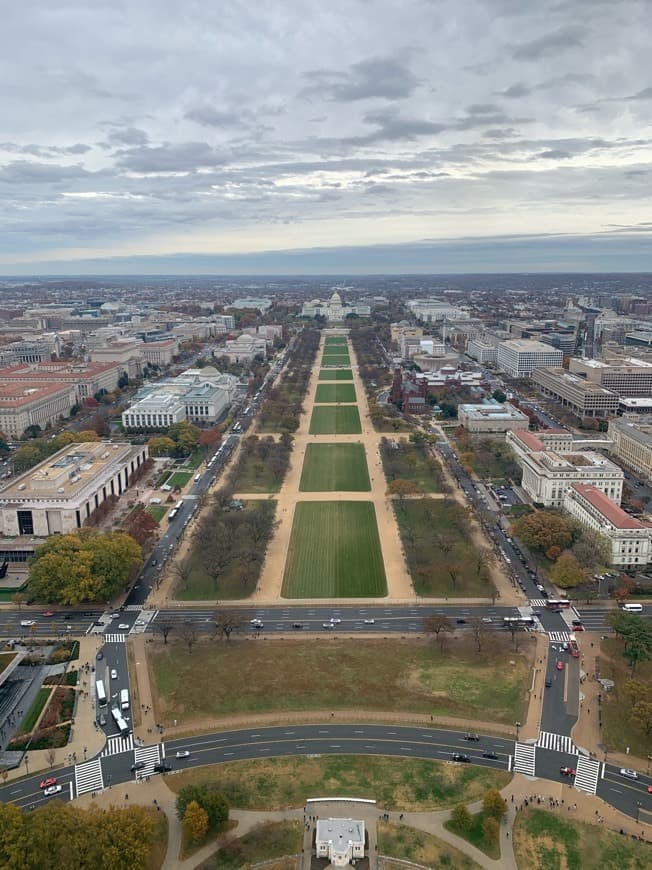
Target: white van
197,477
633,608
124,699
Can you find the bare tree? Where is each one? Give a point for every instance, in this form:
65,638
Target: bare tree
454,569
479,632
483,561
182,570
228,621
440,626
51,757
189,633
163,627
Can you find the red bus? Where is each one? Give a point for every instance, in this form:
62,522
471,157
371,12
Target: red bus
557,604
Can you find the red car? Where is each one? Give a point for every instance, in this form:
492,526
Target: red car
49,613
560,666
52,780
577,626
567,771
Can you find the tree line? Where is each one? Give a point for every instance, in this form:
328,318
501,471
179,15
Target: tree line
283,406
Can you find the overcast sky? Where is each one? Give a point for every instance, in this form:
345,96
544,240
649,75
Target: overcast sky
135,134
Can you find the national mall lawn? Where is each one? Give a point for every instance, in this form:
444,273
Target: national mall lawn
249,675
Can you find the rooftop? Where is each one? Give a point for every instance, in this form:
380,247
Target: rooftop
68,471
608,508
526,345
493,412
14,394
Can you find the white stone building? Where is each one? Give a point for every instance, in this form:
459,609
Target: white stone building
334,309
519,357
340,840
584,398
59,495
547,474
433,310
482,351
244,348
632,443
630,538
32,403
159,409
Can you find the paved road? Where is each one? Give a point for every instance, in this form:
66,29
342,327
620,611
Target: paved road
326,739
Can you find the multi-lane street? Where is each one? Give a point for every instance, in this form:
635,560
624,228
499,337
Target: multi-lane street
605,780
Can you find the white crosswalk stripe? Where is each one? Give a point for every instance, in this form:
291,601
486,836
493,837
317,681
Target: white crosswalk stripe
115,638
88,777
558,742
151,755
559,636
537,602
525,758
116,745
134,607
588,771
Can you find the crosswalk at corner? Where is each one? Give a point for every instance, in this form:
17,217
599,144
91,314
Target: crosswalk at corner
115,638
151,755
559,636
537,602
116,745
88,777
588,772
525,758
558,742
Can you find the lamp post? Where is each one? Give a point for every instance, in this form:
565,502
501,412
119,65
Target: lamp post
649,759
26,763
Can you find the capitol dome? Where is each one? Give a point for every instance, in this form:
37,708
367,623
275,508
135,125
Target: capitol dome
336,299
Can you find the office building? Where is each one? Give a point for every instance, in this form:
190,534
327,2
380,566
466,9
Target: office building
632,444
32,403
629,376
519,357
584,398
482,350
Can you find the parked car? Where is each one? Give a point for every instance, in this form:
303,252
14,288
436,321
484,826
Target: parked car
567,771
459,756
52,790
474,737
51,780
560,666
628,772
548,682
162,768
102,719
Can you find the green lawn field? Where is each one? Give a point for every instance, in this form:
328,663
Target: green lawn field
334,552
333,467
328,393
336,359
335,375
335,339
335,420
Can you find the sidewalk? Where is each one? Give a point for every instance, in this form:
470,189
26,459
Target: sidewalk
85,739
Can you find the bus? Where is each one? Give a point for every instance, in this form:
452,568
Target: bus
100,693
557,604
517,620
123,728
573,647
175,510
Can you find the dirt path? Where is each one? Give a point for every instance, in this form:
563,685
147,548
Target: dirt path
399,584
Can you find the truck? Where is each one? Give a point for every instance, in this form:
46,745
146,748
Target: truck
124,699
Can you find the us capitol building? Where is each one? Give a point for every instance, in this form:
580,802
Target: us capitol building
334,309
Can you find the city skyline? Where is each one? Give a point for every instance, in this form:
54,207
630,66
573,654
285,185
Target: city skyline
439,137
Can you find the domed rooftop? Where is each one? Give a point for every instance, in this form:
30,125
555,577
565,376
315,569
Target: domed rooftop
336,299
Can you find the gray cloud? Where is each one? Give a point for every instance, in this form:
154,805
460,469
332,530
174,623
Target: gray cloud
387,78
169,157
516,90
568,36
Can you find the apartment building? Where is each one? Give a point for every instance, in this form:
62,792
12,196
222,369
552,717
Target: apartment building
582,397
520,356
630,538
60,494
32,403
629,376
491,418
547,474
632,444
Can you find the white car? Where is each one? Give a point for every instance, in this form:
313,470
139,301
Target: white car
335,620
630,774
486,619
53,789
256,623
140,622
328,625
183,753
124,627
369,621
27,622
114,674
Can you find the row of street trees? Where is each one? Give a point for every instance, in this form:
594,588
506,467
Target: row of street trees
283,406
